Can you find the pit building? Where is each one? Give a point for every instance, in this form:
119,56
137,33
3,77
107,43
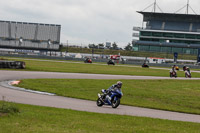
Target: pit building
168,33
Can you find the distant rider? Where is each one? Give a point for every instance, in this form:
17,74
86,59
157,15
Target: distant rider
184,68
173,69
113,88
188,70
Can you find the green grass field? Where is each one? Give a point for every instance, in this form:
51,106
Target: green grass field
173,95
32,119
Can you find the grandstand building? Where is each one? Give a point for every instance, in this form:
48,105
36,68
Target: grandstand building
169,33
32,36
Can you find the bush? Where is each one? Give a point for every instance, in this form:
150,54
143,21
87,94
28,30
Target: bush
6,107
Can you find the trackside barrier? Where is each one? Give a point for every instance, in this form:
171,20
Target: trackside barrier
132,62
12,64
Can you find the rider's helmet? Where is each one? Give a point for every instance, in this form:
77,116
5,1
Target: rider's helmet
119,84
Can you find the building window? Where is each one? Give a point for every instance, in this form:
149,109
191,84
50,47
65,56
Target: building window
179,35
188,51
135,47
190,36
157,34
178,50
145,39
166,49
168,35
155,48
145,33
195,51
198,36
143,48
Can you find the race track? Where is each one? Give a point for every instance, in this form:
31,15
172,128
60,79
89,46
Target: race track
82,105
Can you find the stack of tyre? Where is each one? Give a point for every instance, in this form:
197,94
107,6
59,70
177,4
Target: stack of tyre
12,64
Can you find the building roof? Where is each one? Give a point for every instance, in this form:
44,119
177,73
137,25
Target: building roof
154,16
30,23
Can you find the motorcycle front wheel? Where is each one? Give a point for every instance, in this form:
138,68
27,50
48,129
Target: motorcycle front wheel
115,103
99,102
186,75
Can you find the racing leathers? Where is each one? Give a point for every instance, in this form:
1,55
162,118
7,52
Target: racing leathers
173,70
113,88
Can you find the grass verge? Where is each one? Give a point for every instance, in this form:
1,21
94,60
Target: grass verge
99,68
173,95
53,120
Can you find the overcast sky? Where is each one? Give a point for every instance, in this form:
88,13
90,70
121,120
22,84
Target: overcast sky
89,21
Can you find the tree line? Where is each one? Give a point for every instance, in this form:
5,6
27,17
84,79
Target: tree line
113,46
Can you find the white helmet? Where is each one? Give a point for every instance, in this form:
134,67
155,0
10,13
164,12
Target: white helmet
119,84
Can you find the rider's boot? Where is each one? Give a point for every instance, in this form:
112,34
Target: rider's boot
109,100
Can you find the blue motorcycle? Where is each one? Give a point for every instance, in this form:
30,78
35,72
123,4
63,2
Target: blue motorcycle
112,98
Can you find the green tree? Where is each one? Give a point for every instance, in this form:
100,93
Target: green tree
92,46
101,46
128,47
114,46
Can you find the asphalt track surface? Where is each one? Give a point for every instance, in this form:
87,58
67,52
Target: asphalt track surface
24,97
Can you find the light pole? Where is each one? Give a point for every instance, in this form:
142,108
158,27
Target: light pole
67,47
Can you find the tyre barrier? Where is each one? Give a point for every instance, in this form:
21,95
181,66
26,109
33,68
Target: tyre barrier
12,64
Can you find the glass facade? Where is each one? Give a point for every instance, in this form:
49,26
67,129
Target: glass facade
169,33
172,37
165,49
167,37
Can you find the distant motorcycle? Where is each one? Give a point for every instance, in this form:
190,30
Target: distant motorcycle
88,60
111,62
188,74
145,65
173,74
115,97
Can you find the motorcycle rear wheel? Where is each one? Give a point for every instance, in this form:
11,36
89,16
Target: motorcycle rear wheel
115,103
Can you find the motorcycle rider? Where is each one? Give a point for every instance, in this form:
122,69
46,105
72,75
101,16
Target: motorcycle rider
110,61
187,71
113,88
173,69
184,68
